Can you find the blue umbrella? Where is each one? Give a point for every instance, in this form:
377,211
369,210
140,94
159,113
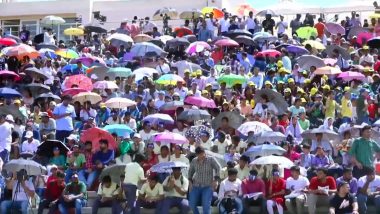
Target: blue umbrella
159,118
71,68
297,49
120,129
166,167
9,93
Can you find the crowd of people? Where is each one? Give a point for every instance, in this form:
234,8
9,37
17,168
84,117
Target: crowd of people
226,110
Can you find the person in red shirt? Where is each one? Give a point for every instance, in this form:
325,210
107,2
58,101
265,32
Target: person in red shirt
372,109
250,185
276,192
53,192
320,26
321,189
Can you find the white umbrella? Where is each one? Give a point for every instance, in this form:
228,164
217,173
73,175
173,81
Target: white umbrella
327,134
118,39
269,160
52,20
105,85
31,167
264,150
87,96
255,127
166,167
168,11
119,103
144,72
267,136
190,14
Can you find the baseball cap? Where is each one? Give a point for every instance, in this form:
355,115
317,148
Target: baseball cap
287,90
199,72
102,105
204,92
268,83
44,114
16,101
313,91
9,118
137,135
347,88
29,134
326,87
362,90
307,81
218,93
290,80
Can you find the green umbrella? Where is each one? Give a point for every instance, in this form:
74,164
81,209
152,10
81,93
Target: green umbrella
119,72
307,32
231,79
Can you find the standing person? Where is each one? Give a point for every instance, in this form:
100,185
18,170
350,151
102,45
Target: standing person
63,115
5,138
296,23
74,195
362,152
268,23
362,107
250,23
202,180
176,187
343,202
49,37
281,27
296,185
24,34
320,26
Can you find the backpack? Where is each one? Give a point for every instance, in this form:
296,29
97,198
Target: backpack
229,205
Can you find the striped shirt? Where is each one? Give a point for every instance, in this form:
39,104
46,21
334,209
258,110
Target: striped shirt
200,172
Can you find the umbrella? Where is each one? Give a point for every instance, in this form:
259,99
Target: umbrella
71,67
306,32
254,127
264,150
95,135
271,159
355,31
114,171
234,33
31,167
18,40
218,13
263,36
226,43
170,137
190,14
327,134
159,118
142,38
157,42
296,49
142,72
352,75
314,44
195,131
9,93
7,42
327,70
330,61
234,119
67,53
87,61
246,40
197,47
271,53
73,91
119,103
46,46
12,110
166,11
9,74
48,53
343,52
363,37
200,102
194,114
190,38
49,95
119,72
306,61
36,73
354,129
104,84
266,12
141,49
22,50
73,31
99,71
46,148
87,96
274,97
80,81
169,79
165,38
173,43
94,28
232,79
244,9
182,31
37,88
374,42
171,106
118,39
335,28
267,136
166,167
120,129
52,20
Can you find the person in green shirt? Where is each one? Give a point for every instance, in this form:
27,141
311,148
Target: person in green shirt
304,122
125,145
75,163
74,195
58,159
362,152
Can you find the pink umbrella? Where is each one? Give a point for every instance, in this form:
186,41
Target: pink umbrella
271,53
95,135
200,102
170,137
7,41
73,91
363,37
197,47
351,75
335,28
80,80
9,74
329,61
89,61
226,43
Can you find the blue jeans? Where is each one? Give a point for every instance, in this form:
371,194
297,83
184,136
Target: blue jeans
364,199
181,203
40,192
201,193
239,206
130,194
91,178
10,206
4,155
77,203
346,120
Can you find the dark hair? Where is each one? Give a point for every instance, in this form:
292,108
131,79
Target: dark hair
106,179
295,169
60,174
139,158
365,128
66,97
88,143
253,172
347,169
323,169
225,118
368,170
199,150
342,184
245,158
232,171
103,141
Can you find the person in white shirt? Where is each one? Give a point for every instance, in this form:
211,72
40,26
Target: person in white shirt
63,115
87,112
49,71
281,27
160,101
295,186
151,195
366,59
178,155
147,132
221,143
30,145
49,37
162,67
164,155
257,78
224,24
109,194
129,121
148,27
176,186
250,23
5,138
137,146
206,142
211,23
230,189
180,90
368,186
243,167
182,65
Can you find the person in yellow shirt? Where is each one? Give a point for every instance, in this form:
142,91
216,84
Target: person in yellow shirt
346,111
331,105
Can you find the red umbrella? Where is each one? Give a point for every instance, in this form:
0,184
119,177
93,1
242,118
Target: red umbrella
80,80
7,41
182,31
271,53
226,43
73,91
9,74
95,135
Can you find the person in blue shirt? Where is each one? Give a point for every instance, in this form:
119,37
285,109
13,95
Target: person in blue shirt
79,69
103,115
100,160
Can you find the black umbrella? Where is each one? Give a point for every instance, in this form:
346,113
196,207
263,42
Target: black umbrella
49,95
36,73
343,52
94,28
37,88
234,119
48,46
114,171
47,147
177,42
246,40
39,38
274,97
157,42
18,40
374,42
234,33
190,38
12,110
194,114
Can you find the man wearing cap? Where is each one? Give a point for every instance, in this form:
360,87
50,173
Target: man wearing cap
74,195
257,78
47,126
64,114
138,145
30,145
160,100
366,59
182,65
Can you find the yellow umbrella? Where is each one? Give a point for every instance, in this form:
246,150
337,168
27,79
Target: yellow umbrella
315,44
73,32
218,13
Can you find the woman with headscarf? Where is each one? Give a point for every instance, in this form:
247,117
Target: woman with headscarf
265,106
294,129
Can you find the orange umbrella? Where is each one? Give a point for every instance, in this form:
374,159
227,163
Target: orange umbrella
218,13
22,50
244,9
182,31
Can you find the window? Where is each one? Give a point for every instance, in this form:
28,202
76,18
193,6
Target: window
31,26
11,27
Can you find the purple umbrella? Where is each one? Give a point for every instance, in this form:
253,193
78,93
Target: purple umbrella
351,75
297,49
335,28
170,137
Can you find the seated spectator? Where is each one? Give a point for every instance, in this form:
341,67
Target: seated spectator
343,202
22,191
206,141
232,154
368,193
276,191
306,158
75,162
125,144
221,143
348,177
321,189
47,126
320,142
58,159
176,187
54,189
224,171
30,145
243,167
109,195
178,155
230,193
253,185
295,187
151,195
74,195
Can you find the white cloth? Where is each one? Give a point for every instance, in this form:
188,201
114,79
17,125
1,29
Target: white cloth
182,66
86,114
227,186
181,182
5,136
372,186
163,69
224,25
49,39
30,147
20,194
297,185
250,23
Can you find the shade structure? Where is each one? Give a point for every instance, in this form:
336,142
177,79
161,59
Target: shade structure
31,167
232,79
67,53
165,11
52,20
218,13
314,44
269,160
119,103
118,39
73,31
95,135
190,14
226,43
169,79
120,129
255,127
80,81
159,118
